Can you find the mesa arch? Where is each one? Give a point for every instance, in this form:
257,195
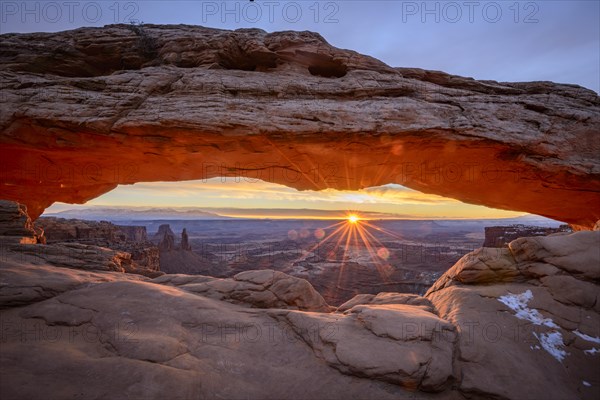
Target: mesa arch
88,109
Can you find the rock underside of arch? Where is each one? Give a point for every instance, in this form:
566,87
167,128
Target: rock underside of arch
86,110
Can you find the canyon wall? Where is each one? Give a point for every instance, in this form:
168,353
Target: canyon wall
88,109
132,240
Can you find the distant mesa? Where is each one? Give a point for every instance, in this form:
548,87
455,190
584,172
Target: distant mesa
501,236
61,230
165,237
185,244
129,214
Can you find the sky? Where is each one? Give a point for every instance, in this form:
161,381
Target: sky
388,201
497,40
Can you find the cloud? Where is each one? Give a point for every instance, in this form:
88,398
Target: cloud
403,195
228,188
265,198
529,40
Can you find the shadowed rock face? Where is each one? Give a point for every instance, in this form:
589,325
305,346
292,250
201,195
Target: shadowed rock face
185,244
16,225
165,237
85,110
14,220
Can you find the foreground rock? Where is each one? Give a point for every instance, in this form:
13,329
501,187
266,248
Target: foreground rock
515,323
285,107
86,257
119,335
21,276
387,298
263,289
401,344
527,314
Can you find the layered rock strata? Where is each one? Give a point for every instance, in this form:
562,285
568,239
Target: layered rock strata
189,102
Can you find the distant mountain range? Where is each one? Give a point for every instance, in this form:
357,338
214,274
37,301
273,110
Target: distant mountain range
133,214
121,214
144,213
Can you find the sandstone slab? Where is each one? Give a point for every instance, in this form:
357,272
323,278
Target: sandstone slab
261,288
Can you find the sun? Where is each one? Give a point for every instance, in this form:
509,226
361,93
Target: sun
353,219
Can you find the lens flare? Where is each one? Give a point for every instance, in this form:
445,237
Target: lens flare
319,233
383,253
340,243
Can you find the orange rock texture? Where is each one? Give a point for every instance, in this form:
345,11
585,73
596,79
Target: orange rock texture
88,109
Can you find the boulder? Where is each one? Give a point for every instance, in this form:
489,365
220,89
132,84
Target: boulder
526,313
261,288
397,343
387,298
578,253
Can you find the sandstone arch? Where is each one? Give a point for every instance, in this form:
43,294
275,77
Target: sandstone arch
122,104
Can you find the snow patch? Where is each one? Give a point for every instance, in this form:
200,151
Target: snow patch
552,341
586,337
586,383
518,303
553,344
591,351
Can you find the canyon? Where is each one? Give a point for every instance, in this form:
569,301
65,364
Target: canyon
521,322
402,256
